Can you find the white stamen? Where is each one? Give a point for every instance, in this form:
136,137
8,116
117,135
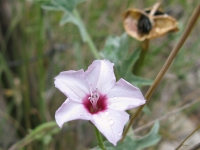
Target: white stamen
90,89
94,98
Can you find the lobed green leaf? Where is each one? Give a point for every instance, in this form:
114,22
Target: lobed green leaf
130,143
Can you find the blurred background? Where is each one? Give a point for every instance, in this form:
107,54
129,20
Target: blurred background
34,48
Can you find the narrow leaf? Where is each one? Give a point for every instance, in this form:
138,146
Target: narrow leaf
50,7
70,18
62,5
127,64
137,81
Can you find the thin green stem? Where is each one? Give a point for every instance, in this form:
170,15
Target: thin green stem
42,104
139,63
89,40
165,67
99,138
188,137
40,131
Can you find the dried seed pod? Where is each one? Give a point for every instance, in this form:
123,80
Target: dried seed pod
148,23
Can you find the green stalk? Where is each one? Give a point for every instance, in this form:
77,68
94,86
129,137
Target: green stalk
139,63
42,105
89,40
40,131
26,92
99,138
145,45
189,27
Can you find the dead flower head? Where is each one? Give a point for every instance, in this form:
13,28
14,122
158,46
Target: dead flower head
148,23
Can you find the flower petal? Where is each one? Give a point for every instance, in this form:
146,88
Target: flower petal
100,75
111,123
71,110
124,96
73,84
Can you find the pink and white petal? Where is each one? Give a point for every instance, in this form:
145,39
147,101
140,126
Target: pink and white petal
111,124
71,110
124,96
100,75
73,84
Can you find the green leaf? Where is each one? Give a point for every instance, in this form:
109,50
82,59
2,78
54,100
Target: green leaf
126,67
146,110
129,143
150,139
70,18
116,49
137,81
68,5
39,133
62,5
126,145
50,7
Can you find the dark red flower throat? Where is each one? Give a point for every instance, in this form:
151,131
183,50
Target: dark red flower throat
95,102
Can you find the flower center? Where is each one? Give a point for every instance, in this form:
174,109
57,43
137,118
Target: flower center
95,102
94,99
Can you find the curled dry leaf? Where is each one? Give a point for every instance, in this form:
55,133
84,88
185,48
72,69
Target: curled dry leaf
148,23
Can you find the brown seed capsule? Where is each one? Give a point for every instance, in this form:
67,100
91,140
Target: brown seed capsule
148,23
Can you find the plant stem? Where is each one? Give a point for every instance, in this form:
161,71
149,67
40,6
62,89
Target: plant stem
99,138
188,137
168,62
139,63
89,40
145,45
173,112
41,87
40,131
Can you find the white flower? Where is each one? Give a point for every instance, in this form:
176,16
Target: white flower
96,96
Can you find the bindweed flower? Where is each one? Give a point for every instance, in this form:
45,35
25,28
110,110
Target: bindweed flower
95,95
148,23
